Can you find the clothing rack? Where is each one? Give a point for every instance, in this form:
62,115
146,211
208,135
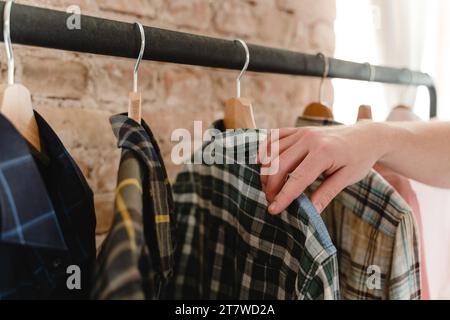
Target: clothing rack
47,28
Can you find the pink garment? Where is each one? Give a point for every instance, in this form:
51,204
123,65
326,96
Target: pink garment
435,206
403,186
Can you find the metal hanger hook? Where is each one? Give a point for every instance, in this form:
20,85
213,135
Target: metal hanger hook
372,72
411,77
326,72
410,83
141,55
7,40
244,70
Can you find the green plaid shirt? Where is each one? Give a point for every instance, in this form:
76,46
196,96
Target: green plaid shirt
136,261
230,247
376,237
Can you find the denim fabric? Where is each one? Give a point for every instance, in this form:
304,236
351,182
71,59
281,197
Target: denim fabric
316,221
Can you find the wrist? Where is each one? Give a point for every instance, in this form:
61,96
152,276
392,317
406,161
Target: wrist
390,138
379,138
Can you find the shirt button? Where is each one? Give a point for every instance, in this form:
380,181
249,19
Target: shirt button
57,263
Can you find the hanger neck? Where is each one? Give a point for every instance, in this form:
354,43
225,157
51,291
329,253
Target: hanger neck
365,113
239,114
135,106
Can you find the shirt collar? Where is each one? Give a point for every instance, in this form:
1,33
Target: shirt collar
75,209
27,214
136,137
233,145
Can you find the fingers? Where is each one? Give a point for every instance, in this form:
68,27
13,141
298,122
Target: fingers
270,150
287,162
271,162
305,174
307,156
329,189
283,133
308,153
273,136
283,145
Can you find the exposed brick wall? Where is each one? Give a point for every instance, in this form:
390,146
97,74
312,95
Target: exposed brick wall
77,93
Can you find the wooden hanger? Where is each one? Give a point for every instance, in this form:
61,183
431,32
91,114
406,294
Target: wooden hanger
135,106
135,97
365,113
238,112
319,109
15,99
17,107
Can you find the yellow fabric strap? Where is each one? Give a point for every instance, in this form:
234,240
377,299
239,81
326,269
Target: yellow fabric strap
128,182
162,218
126,219
123,210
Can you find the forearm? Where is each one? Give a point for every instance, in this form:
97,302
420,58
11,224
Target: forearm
420,151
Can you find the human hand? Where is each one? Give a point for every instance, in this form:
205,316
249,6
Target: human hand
343,154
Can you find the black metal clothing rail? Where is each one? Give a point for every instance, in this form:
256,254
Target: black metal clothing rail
48,28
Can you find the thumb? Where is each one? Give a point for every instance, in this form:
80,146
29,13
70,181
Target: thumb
329,189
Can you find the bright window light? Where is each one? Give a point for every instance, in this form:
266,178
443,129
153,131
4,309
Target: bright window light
356,40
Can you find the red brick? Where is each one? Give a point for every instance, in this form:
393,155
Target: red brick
139,8
236,18
55,79
195,14
187,88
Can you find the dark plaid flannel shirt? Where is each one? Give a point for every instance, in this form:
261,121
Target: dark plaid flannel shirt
230,247
374,231
136,261
47,218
